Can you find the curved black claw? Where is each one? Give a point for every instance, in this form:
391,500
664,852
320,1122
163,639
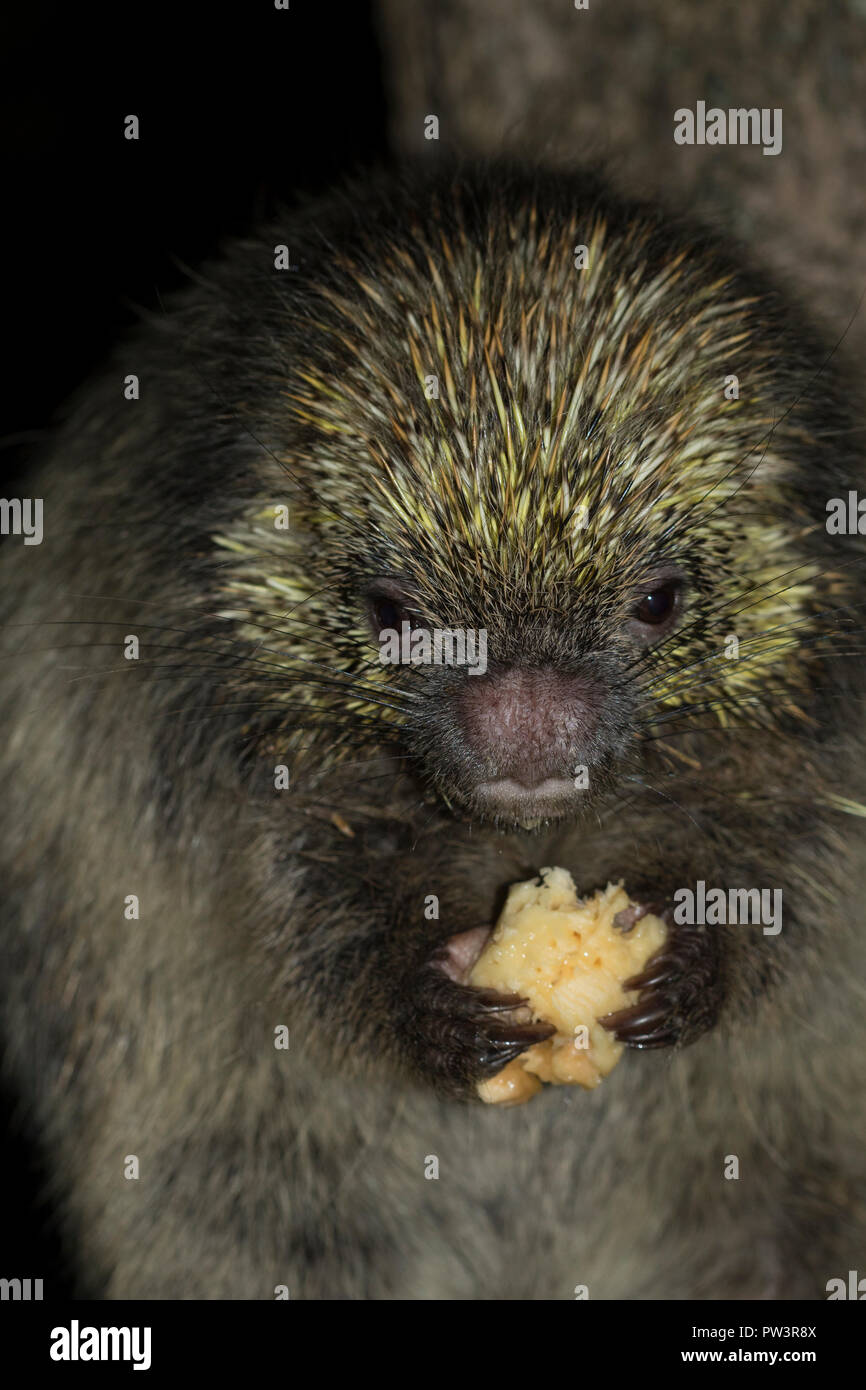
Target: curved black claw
459,1035
497,1003
642,1026
678,993
507,1043
653,974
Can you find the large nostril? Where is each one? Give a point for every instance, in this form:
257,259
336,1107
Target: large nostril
528,725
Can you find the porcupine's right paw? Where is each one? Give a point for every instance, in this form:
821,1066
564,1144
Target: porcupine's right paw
458,1035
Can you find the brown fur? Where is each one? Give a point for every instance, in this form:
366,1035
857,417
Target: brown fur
154,1037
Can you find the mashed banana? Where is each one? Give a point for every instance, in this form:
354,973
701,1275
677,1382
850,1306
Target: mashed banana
563,955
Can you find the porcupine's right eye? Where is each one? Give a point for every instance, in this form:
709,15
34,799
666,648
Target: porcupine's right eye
389,607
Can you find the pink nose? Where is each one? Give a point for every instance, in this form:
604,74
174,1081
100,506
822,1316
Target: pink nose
528,725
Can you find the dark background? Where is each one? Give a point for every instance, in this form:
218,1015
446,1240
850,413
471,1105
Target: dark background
240,107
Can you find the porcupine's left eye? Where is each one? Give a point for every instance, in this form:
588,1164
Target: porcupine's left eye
656,606
657,609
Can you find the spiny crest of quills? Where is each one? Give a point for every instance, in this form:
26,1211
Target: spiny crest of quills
579,432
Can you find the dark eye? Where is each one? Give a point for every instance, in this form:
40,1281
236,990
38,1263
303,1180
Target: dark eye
658,605
388,607
386,613
655,607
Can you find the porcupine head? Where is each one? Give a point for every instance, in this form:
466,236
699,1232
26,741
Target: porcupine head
594,444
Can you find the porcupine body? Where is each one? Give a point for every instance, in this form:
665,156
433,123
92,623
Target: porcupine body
469,430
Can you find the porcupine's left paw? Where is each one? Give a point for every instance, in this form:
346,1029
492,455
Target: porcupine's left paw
680,990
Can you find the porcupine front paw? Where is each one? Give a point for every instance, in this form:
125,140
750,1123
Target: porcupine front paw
459,1035
680,993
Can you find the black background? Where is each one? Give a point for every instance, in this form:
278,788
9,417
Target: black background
240,106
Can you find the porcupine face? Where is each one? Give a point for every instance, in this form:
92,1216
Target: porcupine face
493,438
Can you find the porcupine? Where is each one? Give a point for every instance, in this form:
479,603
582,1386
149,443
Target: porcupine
581,487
